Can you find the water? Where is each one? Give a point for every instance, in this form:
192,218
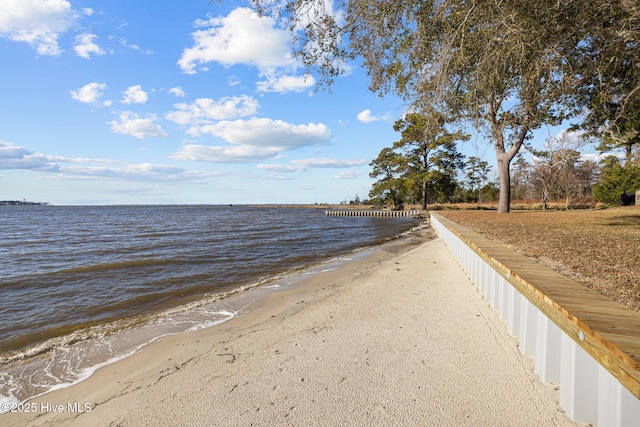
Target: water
81,287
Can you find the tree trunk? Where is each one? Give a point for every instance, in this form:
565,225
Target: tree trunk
504,157
504,202
424,195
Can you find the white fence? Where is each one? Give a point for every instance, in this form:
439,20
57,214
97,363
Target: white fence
589,393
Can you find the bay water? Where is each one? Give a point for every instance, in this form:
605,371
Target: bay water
83,286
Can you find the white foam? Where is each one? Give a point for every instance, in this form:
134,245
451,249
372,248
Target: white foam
72,360
229,315
69,364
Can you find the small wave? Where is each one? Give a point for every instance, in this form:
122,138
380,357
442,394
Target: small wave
65,361
204,325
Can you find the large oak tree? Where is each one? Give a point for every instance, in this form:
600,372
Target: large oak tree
507,66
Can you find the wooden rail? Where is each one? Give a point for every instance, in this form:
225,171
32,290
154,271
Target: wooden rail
373,213
581,340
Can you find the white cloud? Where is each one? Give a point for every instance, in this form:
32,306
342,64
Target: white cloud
263,132
177,91
598,157
301,165
135,95
245,38
279,168
567,139
85,46
134,172
206,110
141,127
36,22
88,11
323,162
134,46
252,140
226,154
89,93
365,116
284,84
242,37
346,175
16,157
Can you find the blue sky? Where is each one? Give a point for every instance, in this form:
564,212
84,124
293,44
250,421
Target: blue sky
147,102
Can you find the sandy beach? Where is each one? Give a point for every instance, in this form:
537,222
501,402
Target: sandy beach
400,338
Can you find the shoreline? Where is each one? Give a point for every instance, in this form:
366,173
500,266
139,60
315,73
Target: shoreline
65,365
398,337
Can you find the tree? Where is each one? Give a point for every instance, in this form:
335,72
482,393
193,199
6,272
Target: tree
519,184
490,192
541,177
615,180
572,174
356,201
501,75
390,187
609,64
557,172
490,62
508,67
427,145
421,166
477,173
443,186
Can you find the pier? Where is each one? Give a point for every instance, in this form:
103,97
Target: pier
373,213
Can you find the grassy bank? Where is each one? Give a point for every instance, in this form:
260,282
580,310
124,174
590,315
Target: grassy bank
597,248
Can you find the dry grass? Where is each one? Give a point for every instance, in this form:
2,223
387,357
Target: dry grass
597,248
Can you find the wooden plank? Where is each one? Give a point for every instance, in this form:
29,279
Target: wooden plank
611,330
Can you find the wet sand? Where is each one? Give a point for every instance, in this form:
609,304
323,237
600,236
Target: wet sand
400,338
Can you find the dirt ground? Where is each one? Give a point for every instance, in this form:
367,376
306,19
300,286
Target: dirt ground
597,248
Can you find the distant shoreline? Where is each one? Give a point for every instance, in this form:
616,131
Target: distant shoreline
21,203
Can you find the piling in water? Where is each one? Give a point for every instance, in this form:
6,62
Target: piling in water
373,213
